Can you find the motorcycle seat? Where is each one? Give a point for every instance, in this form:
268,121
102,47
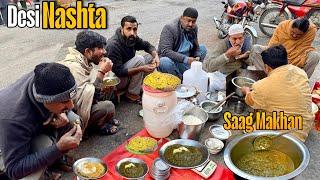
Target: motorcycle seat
294,2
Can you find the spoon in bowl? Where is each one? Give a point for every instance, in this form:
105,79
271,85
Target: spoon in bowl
264,142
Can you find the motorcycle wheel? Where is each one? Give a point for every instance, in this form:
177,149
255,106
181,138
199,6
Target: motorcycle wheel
248,33
271,17
314,16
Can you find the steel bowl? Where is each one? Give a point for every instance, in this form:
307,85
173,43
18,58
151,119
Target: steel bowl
287,144
133,160
239,82
193,131
185,142
212,115
88,159
111,81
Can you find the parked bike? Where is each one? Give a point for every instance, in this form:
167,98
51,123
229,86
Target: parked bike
239,12
280,10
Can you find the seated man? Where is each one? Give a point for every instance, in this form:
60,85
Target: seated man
131,68
96,112
297,37
230,54
178,45
30,110
285,89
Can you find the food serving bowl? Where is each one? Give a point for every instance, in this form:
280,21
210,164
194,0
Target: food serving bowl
214,145
88,159
213,115
286,144
132,160
240,82
185,142
218,131
111,81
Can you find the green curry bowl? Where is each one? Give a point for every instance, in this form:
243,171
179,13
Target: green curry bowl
197,155
241,158
132,168
111,81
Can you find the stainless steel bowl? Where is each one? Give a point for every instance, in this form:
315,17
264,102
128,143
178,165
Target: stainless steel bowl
133,160
88,159
239,82
287,144
185,142
212,115
193,131
114,79
237,107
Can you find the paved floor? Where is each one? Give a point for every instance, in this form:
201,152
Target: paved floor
22,49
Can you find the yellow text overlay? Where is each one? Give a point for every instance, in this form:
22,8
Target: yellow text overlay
262,121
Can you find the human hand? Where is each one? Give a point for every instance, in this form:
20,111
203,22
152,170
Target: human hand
59,120
243,56
148,68
191,59
245,90
233,52
105,65
70,140
156,61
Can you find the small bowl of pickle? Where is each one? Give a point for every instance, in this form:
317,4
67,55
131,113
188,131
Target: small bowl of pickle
132,168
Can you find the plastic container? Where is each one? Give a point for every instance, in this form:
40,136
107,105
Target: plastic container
196,77
158,112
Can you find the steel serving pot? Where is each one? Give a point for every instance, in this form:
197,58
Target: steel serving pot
287,144
238,85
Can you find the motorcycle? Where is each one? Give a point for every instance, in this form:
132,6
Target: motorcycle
280,10
239,12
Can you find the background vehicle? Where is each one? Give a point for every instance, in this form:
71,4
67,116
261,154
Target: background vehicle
280,10
239,12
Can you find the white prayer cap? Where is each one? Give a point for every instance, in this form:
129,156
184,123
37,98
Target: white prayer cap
235,29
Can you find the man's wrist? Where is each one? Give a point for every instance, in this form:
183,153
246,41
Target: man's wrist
100,71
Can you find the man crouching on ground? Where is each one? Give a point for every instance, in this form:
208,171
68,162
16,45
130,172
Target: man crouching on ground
37,98
95,111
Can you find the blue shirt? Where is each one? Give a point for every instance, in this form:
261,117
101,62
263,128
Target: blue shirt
185,48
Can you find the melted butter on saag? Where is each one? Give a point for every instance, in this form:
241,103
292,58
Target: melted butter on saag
131,170
183,156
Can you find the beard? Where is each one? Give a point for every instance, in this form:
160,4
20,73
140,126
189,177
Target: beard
95,59
130,41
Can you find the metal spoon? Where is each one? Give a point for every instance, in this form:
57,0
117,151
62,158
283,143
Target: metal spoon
265,142
221,103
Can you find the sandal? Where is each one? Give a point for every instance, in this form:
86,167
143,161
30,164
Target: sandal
108,129
131,98
115,122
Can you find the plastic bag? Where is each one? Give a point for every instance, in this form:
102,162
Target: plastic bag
217,81
179,110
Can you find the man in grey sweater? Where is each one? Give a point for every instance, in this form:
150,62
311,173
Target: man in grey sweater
30,110
178,46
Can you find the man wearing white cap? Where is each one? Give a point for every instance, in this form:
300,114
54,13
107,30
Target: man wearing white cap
232,53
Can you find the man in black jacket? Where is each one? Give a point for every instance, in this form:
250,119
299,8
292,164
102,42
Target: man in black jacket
121,50
178,45
30,110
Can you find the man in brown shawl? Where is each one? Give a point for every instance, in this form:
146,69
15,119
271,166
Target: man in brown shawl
96,112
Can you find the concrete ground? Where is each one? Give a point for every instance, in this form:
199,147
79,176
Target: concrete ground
22,49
